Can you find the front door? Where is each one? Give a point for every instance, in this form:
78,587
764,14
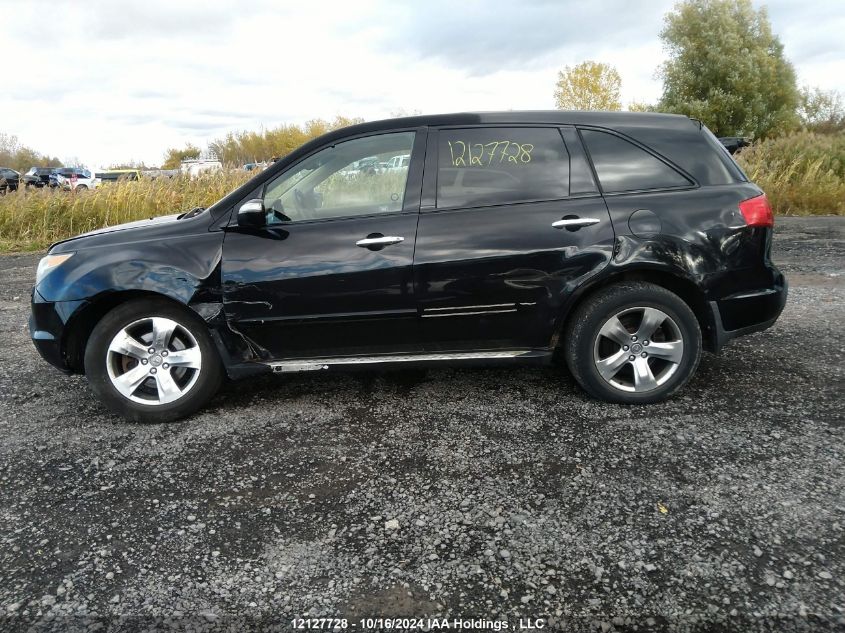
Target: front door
331,274
512,222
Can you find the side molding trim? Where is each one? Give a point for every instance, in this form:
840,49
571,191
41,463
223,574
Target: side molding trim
317,364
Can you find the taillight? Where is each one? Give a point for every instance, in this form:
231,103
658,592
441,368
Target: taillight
757,211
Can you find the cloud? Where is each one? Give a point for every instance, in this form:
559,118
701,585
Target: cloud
809,33
114,81
151,94
485,37
156,20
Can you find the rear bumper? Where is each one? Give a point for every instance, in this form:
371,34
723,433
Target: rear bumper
747,312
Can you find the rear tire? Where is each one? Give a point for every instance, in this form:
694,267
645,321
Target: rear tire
181,373
633,343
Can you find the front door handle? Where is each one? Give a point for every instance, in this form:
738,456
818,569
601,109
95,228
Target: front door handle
385,240
574,224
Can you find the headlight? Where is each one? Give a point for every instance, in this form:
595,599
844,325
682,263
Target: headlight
49,263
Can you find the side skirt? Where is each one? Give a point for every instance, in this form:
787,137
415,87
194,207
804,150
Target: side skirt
522,356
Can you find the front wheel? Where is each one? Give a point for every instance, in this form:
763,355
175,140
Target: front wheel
633,343
152,361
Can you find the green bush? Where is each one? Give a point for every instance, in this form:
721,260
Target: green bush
802,173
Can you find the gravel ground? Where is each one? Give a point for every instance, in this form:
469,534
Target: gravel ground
492,494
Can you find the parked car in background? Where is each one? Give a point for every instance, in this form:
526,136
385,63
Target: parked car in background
399,162
73,179
152,174
53,178
193,167
9,180
38,176
367,165
734,143
113,175
625,243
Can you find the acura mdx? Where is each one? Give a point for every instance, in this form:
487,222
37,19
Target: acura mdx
624,243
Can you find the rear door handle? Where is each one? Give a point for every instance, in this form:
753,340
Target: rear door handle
379,241
575,223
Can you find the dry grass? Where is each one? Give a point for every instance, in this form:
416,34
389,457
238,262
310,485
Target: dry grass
33,219
802,174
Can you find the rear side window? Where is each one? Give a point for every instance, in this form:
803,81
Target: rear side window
490,166
724,155
622,166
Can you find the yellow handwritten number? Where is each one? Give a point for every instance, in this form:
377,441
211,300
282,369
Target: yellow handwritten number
520,153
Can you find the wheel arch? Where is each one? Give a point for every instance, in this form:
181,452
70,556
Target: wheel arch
683,287
82,324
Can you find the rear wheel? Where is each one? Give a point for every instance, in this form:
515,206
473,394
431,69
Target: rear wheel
633,343
152,361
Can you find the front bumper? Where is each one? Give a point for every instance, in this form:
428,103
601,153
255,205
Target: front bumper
748,312
47,324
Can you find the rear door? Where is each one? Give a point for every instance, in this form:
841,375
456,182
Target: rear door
330,275
511,223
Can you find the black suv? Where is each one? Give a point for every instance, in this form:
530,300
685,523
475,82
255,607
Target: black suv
626,242
38,176
9,180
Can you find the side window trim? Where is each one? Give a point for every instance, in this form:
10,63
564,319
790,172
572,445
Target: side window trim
580,166
693,183
412,196
428,203
416,169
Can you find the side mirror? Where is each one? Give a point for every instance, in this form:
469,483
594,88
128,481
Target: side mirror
251,214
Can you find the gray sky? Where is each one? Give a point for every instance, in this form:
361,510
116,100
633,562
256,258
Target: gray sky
113,81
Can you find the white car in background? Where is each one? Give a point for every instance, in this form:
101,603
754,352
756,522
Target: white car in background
401,161
76,179
193,167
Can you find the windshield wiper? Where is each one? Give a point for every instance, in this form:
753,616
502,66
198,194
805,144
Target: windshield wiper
190,214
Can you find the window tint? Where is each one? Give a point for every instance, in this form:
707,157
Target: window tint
486,166
622,166
357,177
736,172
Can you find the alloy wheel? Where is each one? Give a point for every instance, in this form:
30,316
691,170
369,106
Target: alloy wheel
154,361
638,349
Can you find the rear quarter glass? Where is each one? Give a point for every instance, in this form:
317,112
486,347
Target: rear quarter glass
724,155
623,166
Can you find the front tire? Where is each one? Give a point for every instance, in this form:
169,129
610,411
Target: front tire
152,361
633,343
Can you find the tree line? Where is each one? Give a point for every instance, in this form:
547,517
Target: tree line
238,148
725,68
19,157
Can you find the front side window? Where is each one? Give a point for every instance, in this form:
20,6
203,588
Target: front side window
622,166
358,177
498,165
